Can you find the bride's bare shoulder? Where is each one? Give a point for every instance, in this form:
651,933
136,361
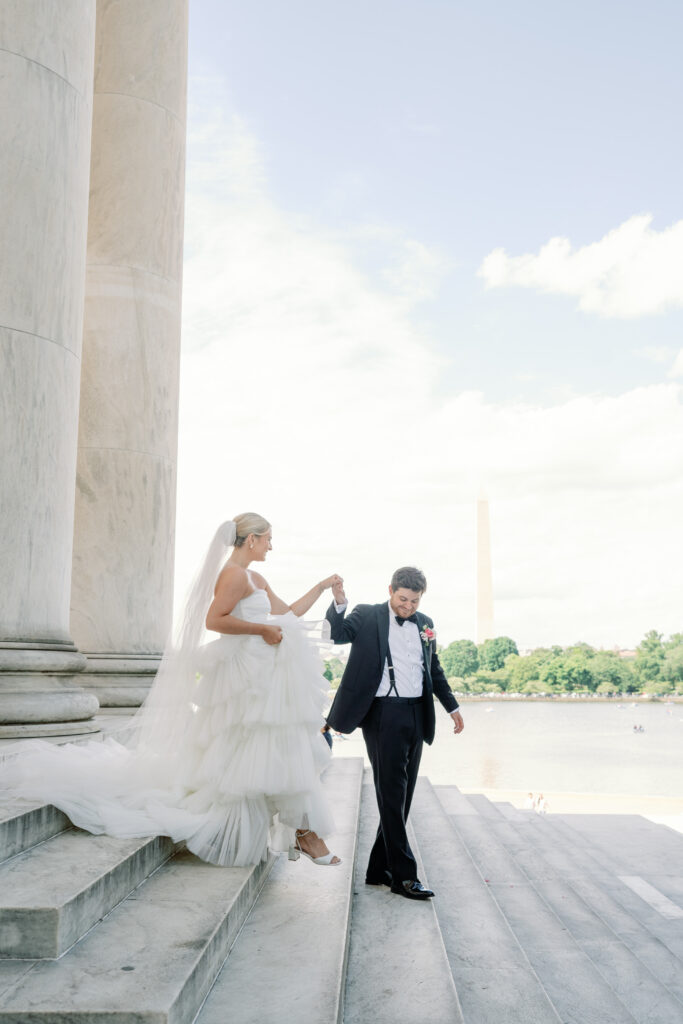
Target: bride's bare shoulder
258,580
234,578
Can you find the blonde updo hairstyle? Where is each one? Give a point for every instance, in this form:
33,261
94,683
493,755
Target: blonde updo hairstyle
249,522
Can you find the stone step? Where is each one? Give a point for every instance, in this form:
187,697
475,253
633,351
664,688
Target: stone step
398,972
638,926
300,919
153,959
604,892
484,807
656,940
508,810
23,826
642,844
567,973
53,893
634,846
550,870
493,977
454,802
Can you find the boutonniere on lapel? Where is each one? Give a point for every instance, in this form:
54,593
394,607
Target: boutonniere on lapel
427,635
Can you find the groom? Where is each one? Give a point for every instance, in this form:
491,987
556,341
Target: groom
387,688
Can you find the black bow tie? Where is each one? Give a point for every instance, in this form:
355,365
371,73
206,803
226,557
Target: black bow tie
411,618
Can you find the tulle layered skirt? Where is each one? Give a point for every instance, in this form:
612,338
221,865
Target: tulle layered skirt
241,769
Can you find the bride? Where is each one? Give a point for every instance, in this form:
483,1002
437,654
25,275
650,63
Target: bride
226,753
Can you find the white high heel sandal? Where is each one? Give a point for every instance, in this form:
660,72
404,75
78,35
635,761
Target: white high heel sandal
295,851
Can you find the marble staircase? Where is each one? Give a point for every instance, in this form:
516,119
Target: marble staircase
588,962
537,920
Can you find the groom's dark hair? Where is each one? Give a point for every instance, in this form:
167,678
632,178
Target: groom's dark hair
410,578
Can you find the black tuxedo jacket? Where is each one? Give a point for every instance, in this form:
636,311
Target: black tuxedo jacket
367,630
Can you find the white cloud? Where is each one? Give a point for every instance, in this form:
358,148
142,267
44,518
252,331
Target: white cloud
632,271
411,270
656,353
677,366
309,393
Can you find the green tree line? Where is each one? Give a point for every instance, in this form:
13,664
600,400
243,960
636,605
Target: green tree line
497,665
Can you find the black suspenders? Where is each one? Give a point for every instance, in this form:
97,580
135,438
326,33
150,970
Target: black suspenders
392,677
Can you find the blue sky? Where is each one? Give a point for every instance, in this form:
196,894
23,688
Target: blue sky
351,170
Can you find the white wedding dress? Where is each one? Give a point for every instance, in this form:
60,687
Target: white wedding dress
237,767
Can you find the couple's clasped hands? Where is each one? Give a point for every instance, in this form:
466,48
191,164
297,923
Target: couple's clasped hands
336,582
273,634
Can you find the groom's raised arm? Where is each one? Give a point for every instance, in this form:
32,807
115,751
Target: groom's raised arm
343,628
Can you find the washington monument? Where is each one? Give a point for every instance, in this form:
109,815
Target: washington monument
484,625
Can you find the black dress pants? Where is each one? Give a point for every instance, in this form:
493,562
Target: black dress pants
393,731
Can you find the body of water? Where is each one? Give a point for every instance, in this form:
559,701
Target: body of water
557,747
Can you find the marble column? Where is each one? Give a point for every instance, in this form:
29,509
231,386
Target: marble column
484,579
46,62
125,495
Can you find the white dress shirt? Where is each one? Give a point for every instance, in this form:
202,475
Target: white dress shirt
407,656
410,658
405,645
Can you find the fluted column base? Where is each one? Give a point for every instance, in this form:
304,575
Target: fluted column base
41,692
120,681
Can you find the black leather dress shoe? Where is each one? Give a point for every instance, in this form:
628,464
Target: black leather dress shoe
412,890
384,879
